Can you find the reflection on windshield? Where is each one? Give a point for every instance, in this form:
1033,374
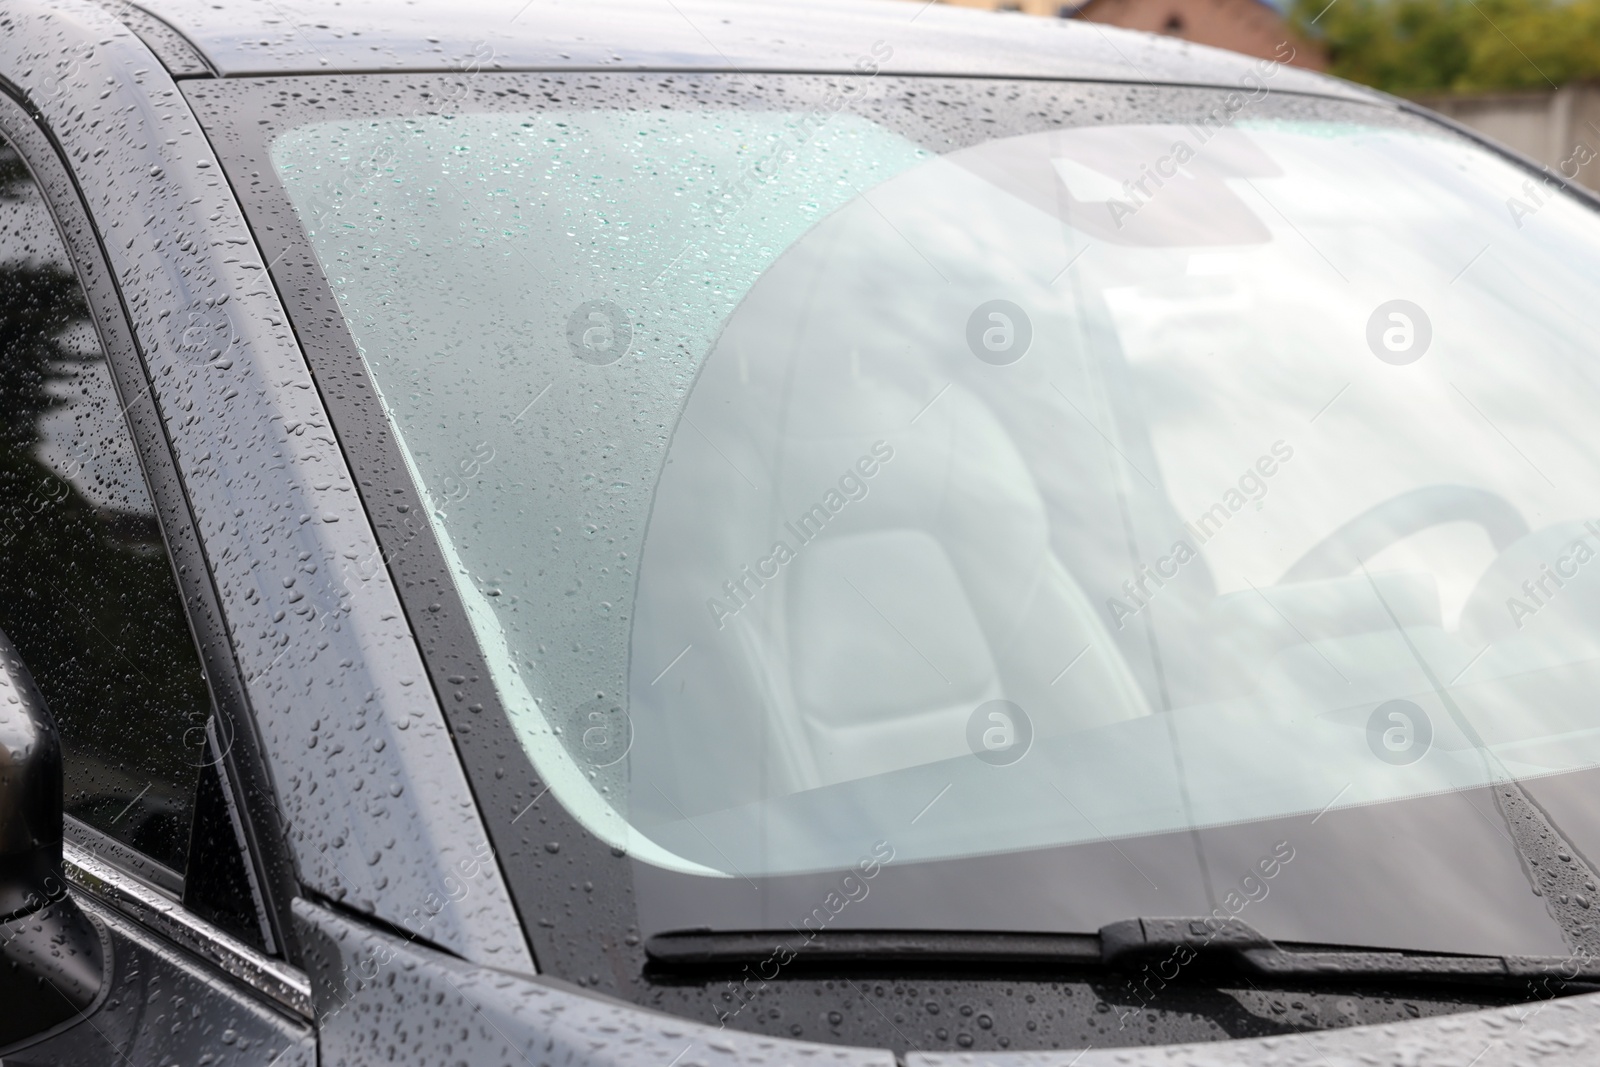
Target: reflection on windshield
1197,493
1266,491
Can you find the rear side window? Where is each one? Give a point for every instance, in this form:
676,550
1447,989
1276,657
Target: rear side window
87,590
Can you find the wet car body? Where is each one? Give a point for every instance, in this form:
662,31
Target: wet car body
388,931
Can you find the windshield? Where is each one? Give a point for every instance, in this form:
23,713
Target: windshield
1067,502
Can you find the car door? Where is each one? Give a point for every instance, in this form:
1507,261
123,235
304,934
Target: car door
105,595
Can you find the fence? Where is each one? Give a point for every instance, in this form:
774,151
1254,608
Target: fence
1560,129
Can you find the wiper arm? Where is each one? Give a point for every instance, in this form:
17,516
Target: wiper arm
1166,946
1161,947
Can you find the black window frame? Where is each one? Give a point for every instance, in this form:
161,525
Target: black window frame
241,794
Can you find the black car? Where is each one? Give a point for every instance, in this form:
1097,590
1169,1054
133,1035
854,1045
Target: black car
838,532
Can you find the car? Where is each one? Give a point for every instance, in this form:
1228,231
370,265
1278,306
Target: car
862,533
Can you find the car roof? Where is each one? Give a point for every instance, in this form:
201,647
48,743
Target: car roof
265,37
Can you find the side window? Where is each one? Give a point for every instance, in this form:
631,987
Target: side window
87,592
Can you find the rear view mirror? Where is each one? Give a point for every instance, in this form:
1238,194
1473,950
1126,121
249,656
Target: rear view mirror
51,955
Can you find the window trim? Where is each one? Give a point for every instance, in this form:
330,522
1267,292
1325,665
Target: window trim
246,780
130,861
286,986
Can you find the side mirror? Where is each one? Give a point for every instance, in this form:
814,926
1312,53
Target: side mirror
52,958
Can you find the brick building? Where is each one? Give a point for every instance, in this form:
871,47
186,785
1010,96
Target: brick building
1253,27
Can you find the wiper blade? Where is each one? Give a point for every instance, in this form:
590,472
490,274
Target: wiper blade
1160,947
699,949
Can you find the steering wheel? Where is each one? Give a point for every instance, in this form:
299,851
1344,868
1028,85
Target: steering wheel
1399,517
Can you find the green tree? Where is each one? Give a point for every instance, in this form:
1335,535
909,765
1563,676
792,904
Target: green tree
1435,46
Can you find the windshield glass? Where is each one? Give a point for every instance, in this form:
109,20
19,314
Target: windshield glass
1110,496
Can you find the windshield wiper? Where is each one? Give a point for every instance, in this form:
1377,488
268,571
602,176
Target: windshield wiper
1161,947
